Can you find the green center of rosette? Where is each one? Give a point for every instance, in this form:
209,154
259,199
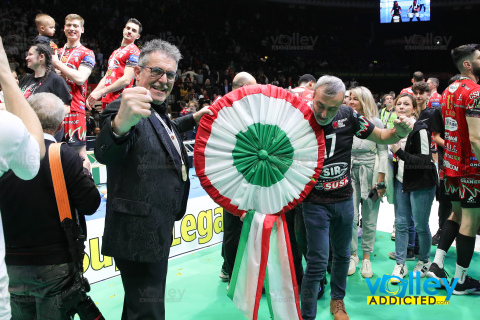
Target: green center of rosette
262,154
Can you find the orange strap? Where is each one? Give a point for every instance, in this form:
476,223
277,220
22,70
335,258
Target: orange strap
59,181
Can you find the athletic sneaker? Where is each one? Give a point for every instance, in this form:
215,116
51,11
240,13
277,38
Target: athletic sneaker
393,233
436,238
434,271
367,271
353,265
410,255
469,286
421,267
224,276
400,270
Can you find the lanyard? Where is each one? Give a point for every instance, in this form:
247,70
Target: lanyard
63,52
175,143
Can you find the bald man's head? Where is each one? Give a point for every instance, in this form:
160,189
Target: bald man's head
243,79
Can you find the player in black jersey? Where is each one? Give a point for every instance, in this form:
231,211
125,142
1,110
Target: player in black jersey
328,209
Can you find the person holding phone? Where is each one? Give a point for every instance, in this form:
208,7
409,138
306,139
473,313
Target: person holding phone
369,164
415,181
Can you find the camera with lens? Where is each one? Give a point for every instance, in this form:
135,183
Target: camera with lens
76,301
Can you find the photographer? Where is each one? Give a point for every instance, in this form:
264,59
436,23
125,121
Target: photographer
39,263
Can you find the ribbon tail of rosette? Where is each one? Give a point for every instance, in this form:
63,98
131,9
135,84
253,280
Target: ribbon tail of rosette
283,287
254,260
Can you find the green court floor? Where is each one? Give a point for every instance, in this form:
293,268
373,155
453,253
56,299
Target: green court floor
195,292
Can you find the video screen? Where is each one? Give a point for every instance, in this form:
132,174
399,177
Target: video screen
404,11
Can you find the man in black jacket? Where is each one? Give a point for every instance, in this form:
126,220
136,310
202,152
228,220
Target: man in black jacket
147,179
38,261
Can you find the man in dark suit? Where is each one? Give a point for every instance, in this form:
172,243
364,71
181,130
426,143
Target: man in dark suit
226,87
146,178
38,259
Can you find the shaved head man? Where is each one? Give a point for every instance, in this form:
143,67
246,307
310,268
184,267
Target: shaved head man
243,79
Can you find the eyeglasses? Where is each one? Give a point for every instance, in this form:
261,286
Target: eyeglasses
156,72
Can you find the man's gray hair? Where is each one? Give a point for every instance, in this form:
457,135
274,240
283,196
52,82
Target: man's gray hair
155,45
332,85
49,109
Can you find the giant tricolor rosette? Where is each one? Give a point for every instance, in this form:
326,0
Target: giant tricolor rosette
260,153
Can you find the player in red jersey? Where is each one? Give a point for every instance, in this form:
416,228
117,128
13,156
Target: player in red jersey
75,63
417,77
461,113
306,84
120,67
435,97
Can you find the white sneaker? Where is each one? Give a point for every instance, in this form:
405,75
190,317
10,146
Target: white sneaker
393,232
421,267
400,271
353,265
367,271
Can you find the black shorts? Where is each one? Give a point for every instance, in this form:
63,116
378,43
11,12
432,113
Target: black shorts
463,189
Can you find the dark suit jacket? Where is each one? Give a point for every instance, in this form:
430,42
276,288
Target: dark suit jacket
146,193
222,88
33,234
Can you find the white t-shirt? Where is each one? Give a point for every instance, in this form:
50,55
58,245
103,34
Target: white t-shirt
20,152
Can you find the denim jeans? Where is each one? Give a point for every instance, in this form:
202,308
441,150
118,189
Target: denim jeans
35,290
417,205
324,222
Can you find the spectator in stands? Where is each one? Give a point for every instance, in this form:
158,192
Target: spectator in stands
90,123
226,87
192,95
199,77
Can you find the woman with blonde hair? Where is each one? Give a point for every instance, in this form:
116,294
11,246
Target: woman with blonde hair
369,164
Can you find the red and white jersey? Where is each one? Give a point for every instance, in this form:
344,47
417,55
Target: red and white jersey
184,111
407,90
75,58
459,101
435,100
304,93
120,59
